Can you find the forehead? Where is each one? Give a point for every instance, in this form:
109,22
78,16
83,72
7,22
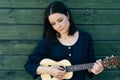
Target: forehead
55,16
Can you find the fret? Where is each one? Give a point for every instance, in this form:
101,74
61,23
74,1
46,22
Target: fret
79,67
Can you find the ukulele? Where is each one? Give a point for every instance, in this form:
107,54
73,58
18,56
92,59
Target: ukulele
107,63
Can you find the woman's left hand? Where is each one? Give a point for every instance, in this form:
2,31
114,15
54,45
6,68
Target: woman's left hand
97,67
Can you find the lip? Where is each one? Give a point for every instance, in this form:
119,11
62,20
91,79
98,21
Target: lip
61,29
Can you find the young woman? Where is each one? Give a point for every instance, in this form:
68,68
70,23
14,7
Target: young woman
62,40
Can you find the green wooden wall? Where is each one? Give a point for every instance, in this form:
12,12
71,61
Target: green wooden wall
21,27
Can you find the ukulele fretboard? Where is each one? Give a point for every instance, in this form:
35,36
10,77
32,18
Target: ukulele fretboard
79,67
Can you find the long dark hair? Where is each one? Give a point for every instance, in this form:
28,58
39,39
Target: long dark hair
56,7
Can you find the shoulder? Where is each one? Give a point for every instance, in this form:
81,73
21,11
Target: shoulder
44,41
84,35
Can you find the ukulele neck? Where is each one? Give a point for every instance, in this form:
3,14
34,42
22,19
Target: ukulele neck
79,67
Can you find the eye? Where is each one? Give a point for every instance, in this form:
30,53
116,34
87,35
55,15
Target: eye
60,19
52,23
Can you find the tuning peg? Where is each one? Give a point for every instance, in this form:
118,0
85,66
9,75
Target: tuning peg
109,67
114,66
112,56
107,57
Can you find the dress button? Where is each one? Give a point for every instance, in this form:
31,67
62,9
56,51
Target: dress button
69,54
69,47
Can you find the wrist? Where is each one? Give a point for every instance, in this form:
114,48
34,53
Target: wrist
42,69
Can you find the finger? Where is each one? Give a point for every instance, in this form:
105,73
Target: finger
99,60
61,73
99,63
61,68
95,67
95,72
59,77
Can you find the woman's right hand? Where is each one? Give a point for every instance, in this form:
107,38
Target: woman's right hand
57,72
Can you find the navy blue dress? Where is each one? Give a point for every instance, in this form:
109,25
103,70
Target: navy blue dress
79,53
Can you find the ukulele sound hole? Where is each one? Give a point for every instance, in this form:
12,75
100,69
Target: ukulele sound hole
49,65
51,76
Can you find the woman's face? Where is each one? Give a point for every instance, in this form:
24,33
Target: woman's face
59,22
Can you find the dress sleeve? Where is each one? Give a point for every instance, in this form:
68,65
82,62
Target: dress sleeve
91,55
34,59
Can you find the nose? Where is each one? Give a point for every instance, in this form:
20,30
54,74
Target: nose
58,25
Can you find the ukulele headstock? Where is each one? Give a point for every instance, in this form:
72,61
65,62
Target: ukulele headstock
109,62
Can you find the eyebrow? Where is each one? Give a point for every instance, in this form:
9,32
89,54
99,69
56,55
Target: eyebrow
57,19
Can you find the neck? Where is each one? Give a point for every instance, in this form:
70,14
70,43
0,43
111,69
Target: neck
64,36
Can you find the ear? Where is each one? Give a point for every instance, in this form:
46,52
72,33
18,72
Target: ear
68,16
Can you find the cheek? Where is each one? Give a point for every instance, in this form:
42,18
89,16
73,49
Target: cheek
66,23
53,27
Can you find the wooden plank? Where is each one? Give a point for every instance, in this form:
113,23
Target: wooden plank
17,62
106,48
15,75
22,75
102,32
96,16
20,32
108,75
21,16
34,32
70,3
17,47
35,16
12,62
